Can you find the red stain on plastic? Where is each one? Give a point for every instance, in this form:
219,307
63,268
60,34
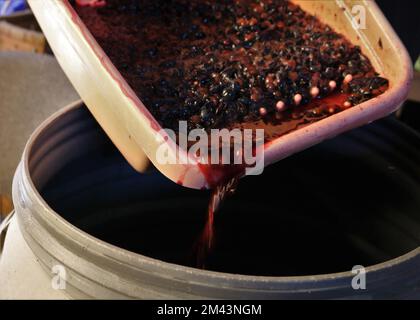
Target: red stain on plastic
91,3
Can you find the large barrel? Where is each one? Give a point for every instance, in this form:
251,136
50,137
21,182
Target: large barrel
86,225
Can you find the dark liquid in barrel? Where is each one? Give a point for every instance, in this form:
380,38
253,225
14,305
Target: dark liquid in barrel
316,212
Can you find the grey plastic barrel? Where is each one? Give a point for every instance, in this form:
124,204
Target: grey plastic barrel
44,256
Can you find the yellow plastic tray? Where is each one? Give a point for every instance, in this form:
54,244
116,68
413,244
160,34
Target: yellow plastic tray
133,129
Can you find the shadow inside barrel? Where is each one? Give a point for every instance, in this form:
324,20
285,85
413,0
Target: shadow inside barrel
350,201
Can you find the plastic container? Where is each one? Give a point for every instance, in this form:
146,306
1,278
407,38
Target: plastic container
69,164
133,129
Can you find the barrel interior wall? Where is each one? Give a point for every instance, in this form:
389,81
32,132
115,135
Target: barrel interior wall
311,215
